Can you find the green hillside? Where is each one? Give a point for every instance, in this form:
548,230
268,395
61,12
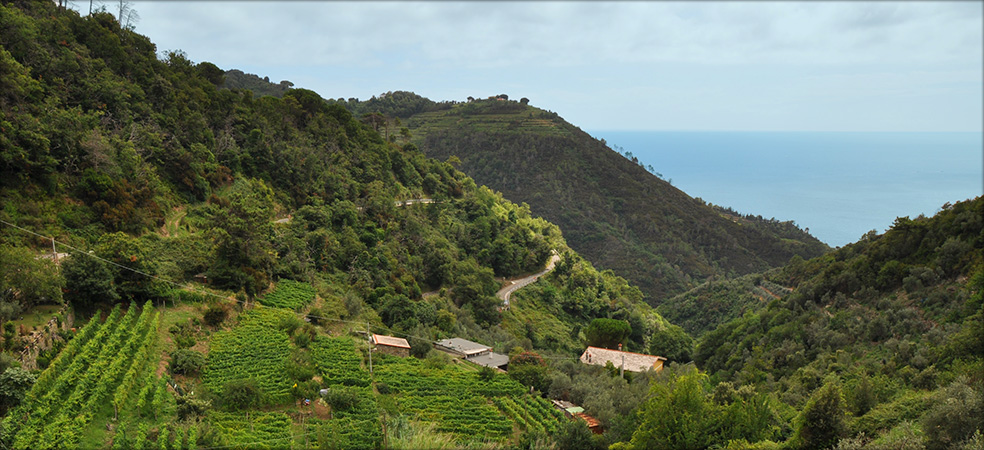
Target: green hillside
263,236
222,258
612,211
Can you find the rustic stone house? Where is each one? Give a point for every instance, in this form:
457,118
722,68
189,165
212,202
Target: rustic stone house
391,345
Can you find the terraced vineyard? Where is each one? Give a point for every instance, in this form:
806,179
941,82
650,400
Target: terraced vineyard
338,362
254,430
457,401
354,426
256,348
532,413
289,294
94,366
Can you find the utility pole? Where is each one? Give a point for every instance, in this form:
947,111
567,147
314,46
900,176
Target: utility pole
369,335
53,251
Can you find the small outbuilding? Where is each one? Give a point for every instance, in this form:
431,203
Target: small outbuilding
391,345
574,412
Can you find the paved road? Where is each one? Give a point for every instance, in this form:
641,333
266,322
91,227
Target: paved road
518,283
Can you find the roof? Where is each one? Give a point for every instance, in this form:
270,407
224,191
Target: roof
463,346
592,422
390,341
634,362
563,404
575,410
490,359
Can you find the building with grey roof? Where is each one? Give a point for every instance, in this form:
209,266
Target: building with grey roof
462,348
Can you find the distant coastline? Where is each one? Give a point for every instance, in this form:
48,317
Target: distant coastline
840,185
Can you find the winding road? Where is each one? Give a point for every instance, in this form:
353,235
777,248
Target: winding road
397,203
518,283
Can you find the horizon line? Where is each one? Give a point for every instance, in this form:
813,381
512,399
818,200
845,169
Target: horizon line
668,130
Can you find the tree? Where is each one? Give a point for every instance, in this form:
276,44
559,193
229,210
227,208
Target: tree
26,281
607,333
528,368
125,252
244,230
88,281
14,384
672,343
524,101
575,435
127,16
822,422
954,416
676,415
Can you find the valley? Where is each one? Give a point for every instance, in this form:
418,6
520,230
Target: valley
247,265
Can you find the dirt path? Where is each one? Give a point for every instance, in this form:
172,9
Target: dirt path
518,283
173,223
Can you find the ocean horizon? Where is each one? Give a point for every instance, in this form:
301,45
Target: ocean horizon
838,185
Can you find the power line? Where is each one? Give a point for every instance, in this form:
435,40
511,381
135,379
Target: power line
204,292
193,289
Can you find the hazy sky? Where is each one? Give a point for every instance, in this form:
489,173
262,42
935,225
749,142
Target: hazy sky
824,66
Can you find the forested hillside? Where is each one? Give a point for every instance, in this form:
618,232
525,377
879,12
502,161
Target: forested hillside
613,211
189,265
223,254
883,338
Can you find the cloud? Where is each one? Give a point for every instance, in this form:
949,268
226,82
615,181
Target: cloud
500,34
720,63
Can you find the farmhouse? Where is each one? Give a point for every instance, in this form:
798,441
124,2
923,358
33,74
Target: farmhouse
491,359
391,345
633,362
473,352
462,348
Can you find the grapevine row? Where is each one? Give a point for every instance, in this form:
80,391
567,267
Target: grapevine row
257,349
140,360
65,430
29,420
289,294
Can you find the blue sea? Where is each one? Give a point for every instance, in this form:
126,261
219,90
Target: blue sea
839,185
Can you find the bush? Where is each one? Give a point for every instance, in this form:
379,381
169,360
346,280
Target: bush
342,398
182,296
486,374
241,394
187,362
299,367
954,415
215,315
188,407
304,335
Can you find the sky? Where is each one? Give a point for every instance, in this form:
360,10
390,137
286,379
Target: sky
755,66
